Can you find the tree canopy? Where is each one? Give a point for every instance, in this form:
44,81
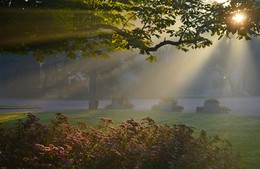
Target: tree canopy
94,27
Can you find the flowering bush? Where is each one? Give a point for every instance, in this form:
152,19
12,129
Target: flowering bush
131,145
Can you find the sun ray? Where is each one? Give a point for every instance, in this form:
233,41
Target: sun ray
32,26
178,71
239,58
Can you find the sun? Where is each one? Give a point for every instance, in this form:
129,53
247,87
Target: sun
238,17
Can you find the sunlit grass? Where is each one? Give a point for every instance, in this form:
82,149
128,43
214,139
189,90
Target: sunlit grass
241,131
11,116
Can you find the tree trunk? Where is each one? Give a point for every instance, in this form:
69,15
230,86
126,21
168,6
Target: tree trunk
93,100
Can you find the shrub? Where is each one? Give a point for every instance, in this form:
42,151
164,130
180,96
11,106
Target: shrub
215,101
168,104
131,145
212,106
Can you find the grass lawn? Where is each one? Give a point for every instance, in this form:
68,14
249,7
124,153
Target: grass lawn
242,131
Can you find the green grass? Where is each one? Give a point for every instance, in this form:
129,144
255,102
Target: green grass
242,131
11,106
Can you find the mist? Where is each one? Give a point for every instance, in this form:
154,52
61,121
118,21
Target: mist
226,69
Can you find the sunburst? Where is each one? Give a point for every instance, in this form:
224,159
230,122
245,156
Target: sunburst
239,17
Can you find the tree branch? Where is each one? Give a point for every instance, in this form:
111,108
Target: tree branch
104,26
168,42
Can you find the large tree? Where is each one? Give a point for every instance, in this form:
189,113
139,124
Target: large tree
73,25
95,27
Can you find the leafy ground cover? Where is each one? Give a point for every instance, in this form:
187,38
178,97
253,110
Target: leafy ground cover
241,131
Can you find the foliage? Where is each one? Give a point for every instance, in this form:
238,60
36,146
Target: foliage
168,104
214,101
169,99
217,108
98,26
32,144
